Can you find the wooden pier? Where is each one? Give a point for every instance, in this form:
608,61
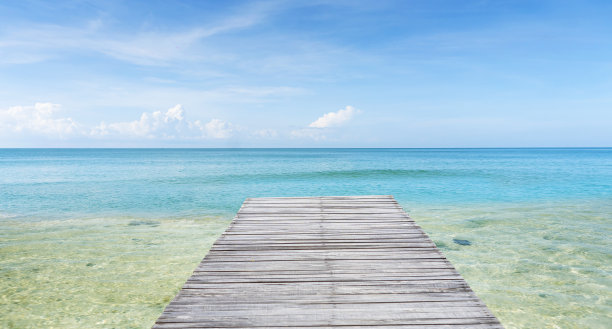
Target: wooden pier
325,262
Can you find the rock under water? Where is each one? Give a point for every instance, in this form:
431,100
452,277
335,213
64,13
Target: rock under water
462,242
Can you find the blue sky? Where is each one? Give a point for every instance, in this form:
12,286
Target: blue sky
305,73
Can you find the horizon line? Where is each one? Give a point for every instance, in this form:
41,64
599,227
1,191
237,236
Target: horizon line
297,148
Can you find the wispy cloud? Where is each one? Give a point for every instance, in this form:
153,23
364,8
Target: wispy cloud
265,133
310,133
43,42
38,42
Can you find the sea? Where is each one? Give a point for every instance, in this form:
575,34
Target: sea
104,238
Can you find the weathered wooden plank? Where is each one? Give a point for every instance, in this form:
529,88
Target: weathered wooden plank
325,262
421,325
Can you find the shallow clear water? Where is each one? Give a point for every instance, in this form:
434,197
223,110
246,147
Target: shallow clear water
106,237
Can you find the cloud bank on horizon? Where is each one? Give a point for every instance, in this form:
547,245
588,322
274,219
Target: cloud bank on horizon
42,120
280,73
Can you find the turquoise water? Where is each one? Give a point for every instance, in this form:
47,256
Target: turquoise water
105,237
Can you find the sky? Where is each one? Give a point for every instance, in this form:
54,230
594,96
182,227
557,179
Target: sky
305,73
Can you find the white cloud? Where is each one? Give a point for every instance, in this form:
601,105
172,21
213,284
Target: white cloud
311,133
265,133
333,119
174,114
316,130
20,122
156,124
38,42
38,119
215,128
166,125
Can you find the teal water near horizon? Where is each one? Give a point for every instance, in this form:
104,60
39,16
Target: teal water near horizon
105,237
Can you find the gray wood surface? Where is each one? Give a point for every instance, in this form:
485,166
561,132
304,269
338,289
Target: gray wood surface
325,262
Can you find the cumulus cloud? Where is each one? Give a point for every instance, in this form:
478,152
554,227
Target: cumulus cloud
39,119
170,124
316,130
167,125
215,128
333,119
